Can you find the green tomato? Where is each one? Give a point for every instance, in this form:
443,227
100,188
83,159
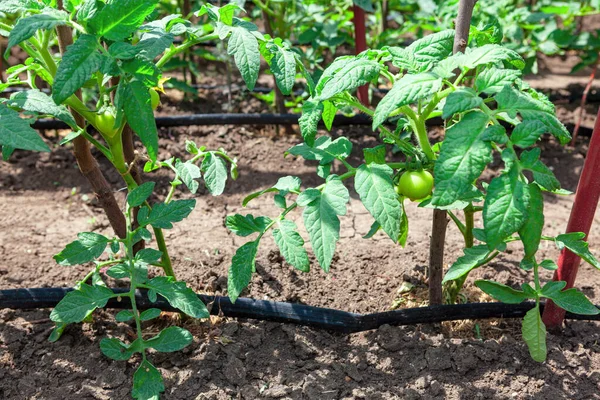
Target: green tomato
415,185
154,99
105,123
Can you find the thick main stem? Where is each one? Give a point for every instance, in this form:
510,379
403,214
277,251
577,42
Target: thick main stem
463,25
440,220
86,161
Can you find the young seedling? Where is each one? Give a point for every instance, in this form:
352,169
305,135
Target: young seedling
488,110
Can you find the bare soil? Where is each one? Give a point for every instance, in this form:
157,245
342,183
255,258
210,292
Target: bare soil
45,201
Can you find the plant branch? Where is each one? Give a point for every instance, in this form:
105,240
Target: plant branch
86,161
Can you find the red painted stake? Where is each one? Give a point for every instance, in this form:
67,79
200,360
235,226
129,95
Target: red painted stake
360,38
582,216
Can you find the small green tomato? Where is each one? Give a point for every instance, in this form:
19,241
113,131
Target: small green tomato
415,185
154,98
105,122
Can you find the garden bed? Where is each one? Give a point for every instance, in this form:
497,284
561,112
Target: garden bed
45,201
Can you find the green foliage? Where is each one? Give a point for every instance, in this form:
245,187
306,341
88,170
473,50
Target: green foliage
534,334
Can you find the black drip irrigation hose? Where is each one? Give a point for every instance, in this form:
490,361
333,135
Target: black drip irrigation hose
300,314
224,119
259,119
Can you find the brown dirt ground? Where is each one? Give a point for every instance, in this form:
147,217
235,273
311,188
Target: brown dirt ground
45,202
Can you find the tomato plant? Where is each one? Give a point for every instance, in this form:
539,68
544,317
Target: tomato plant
116,51
488,110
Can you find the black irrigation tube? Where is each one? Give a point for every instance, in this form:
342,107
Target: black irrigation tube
222,119
300,314
256,119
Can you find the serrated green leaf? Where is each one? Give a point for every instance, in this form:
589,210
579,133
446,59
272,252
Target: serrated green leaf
463,158
321,221
571,300
16,6
154,41
26,27
493,80
505,208
549,265
461,100
496,134
513,101
283,66
355,73
115,349
328,115
148,256
375,155
189,172
331,70
291,245
170,339
86,248
575,243
325,150
501,292
142,70
118,271
243,46
39,102
140,116
473,258
76,305
309,120
147,382
534,334
246,225
214,169
140,194
150,313
79,62
407,90
542,175
123,316
16,133
118,19
492,54
531,231
424,53
527,133
374,185
163,215
241,269
178,295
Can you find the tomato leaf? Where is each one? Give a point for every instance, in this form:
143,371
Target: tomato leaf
534,334
16,133
291,245
241,269
374,185
462,159
321,218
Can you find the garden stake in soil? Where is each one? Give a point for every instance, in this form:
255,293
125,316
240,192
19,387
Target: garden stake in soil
360,37
581,219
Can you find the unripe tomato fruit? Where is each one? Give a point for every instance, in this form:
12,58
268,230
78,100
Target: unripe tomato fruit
154,98
106,123
415,185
